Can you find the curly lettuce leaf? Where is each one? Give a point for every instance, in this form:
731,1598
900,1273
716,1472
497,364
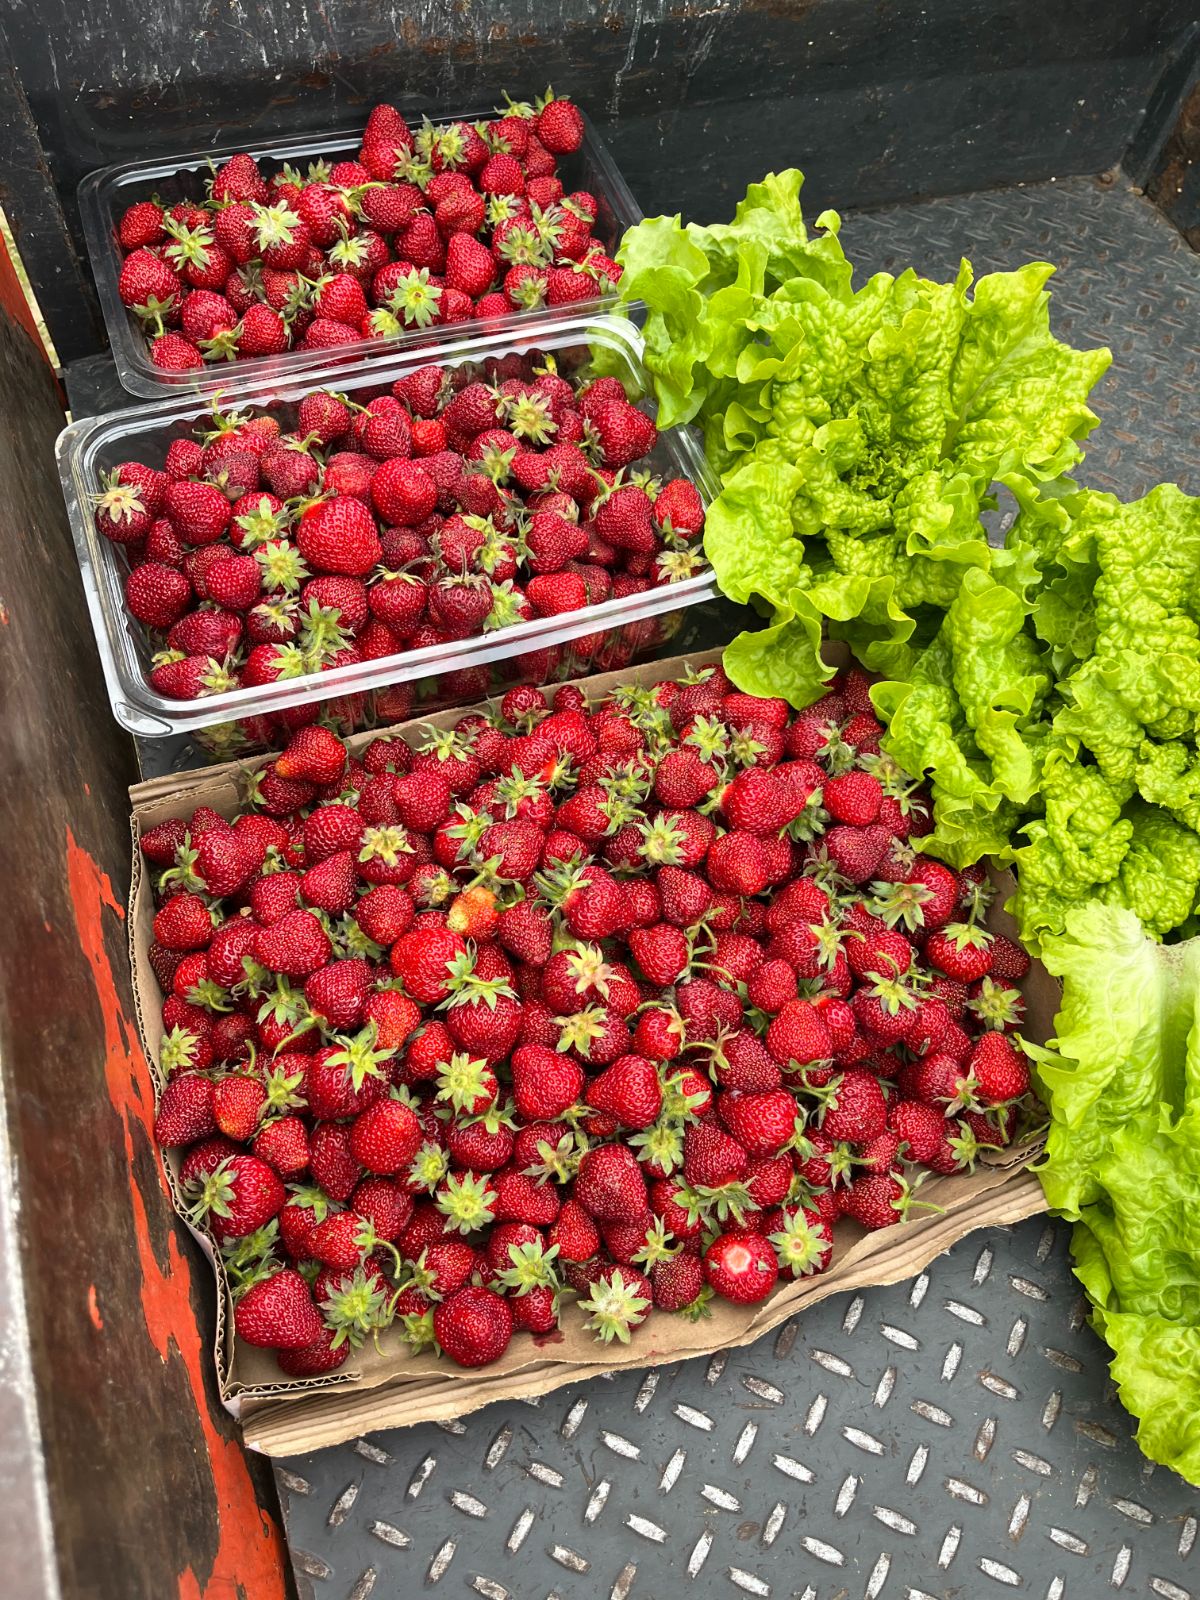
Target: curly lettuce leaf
1122,1086
896,404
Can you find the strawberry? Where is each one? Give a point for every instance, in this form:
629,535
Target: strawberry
853,797
186,1111
875,1201
762,1123
385,1137
283,1145
237,1197
609,1183
339,536
630,1090
545,1082
312,755
278,1313
798,1035
423,959
295,946
1010,964
620,1297
920,1127
999,1069
473,1326
853,1108
961,951
741,1267
802,1239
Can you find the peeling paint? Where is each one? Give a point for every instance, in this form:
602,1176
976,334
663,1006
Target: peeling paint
250,1558
93,1305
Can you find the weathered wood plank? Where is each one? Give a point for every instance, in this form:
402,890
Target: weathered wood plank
149,1491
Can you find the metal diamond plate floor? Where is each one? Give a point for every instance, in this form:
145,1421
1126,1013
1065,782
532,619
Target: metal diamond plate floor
949,1439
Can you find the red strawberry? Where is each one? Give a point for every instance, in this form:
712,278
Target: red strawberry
921,1127
853,1108
385,1137
296,945
799,1035
312,755
237,1197
339,536
422,960
186,1111
853,797
741,1267
961,950
609,1183
473,1326
999,1069
711,1157
278,1313
630,1090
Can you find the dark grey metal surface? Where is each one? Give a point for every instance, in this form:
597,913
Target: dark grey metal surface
954,1437
877,99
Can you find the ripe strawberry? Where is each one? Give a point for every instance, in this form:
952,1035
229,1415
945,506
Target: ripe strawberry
921,1127
184,923
283,1145
473,1326
875,1201
545,1082
798,1035
802,1239
157,595
237,1197
312,755
999,1069
662,952
422,960
277,1313
741,1267
295,946
762,1123
856,852
853,1108
736,864
186,1111
609,1183
853,797
630,1090
961,950
385,1137
339,536
1009,962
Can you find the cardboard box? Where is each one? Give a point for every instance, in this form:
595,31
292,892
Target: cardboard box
391,1387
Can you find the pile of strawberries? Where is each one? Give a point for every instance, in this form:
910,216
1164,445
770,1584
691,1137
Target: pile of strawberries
628,1002
459,501
437,226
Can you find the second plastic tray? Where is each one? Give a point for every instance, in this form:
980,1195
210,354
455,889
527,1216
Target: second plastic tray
89,448
104,196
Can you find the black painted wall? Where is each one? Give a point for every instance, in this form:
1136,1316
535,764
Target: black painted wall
877,99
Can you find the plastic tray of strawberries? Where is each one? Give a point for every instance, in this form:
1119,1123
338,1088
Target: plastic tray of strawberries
208,264
629,1001
433,568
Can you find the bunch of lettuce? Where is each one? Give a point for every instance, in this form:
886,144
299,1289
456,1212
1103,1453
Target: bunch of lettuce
1057,717
858,434
1122,1085
1048,686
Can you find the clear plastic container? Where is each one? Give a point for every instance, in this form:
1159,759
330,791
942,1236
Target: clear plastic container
89,448
104,195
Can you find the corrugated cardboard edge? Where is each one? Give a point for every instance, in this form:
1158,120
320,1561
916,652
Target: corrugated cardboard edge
394,1389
